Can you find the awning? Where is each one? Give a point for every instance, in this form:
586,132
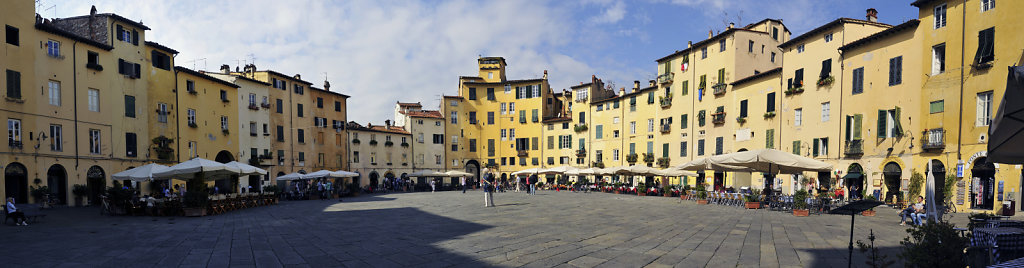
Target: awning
855,175
1006,135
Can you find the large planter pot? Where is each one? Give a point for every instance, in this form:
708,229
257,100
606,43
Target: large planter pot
702,202
667,194
801,212
753,205
194,212
78,201
683,197
869,213
641,193
618,192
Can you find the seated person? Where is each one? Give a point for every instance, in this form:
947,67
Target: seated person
919,212
13,212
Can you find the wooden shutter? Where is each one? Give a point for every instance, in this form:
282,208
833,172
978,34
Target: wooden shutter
857,118
848,135
721,76
789,83
892,71
897,128
551,142
769,139
138,71
814,151
120,33
518,90
826,68
120,66
899,70
796,147
135,37
743,108
881,123
683,121
686,88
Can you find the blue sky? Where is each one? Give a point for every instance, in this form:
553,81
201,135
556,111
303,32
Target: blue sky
380,52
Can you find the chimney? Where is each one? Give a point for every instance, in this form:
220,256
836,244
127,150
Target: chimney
650,83
545,74
872,15
711,34
327,85
387,123
689,44
636,84
731,25
622,91
225,68
92,11
298,77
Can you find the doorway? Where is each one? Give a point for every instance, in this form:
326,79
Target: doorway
719,181
983,184
16,182
939,173
891,174
96,181
57,180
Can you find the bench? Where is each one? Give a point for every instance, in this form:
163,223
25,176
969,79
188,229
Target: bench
32,215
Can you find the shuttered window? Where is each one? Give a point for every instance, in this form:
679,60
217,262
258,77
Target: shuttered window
769,139
858,80
986,46
826,68
896,71
770,103
796,147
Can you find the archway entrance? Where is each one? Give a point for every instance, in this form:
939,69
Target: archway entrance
982,184
854,181
939,172
57,180
719,181
96,180
373,180
892,176
230,184
16,182
472,167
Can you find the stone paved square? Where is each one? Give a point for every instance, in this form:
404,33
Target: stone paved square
451,229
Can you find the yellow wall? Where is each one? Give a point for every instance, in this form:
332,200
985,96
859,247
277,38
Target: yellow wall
209,137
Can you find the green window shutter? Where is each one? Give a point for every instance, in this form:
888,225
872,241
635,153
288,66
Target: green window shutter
686,88
683,121
551,142
664,150
881,123
796,147
518,90
650,97
769,141
568,144
856,125
522,116
721,76
814,152
534,115
897,128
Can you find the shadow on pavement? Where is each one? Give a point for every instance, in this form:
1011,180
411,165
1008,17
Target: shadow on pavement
838,257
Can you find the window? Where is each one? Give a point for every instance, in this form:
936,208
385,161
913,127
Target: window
94,142
160,60
472,145
94,101
858,80
721,76
719,143
161,112
650,125
490,118
54,87
280,133
798,78
298,109
775,33
503,108
825,111
721,45
796,147
437,159
536,91
438,139
490,93
535,117
337,106
53,48
889,124
984,112
511,107
750,46
682,149
581,95
632,127
490,147
454,117
511,133
986,52
987,5
826,69
131,37
280,106
129,69
632,148
252,100
224,123
598,132
298,89
896,71
472,117
936,106
302,157
704,53
472,93
191,117
565,142
743,108
700,147
131,144
797,115
684,121
522,92
770,102
14,133
938,59
12,35
92,61
773,57
940,16
129,106
13,84
252,129
615,133
800,48
504,134
820,147
301,135
190,86
700,118
522,116
828,37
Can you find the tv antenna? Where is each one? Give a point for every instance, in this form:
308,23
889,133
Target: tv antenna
195,61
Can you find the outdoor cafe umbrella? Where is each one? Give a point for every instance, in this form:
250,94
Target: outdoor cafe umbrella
1006,135
344,174
637,171
557,170
203,168
530,171
246,169
290,177
771,161
427,173
708,163
143,173
456,173
674,172
581,172
319,174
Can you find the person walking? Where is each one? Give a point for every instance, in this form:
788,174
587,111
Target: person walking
431,186
462,181
488,188
533,184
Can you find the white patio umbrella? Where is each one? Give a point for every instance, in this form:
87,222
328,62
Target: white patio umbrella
1006,135
143,173
319,174
427,173
772,161
557,170
674,172
608,171
530,171
581,172
638,170
708,163
344,174
456,173
246,169
290,177
197,167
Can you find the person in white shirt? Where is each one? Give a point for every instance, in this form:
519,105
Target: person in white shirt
13,212
462,181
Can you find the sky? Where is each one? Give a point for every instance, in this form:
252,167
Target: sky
380,52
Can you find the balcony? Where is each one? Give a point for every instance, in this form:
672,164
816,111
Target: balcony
523,153
252,106
718,118
666,101
719,88
14,144
581,152
934,139
265,105
666,128
854,148
665,78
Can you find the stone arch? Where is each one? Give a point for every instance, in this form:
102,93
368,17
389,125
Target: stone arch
57,181
892,174
16,182
96,180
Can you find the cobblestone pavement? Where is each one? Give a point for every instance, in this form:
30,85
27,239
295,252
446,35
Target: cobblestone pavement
452,229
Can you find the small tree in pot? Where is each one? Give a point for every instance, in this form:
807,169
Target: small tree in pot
196,198
702,195
800,204
79,191
753,201
666,191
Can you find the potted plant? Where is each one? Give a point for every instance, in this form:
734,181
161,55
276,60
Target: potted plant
641,190
666,191
648,158
702,195
684,193
753,201
870,212
79,191
663,162
617,188
631,158
741,119
800,204
769,114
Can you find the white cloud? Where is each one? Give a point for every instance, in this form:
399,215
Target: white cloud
612,14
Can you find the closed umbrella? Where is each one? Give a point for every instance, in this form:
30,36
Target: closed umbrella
143,173
203,168
1006,135
246,169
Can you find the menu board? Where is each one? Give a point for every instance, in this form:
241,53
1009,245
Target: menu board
961,191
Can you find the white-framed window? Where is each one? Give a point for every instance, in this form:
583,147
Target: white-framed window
53,48
632,127
94,142
508,89
987,5
938,59
704,53
437,159
455,139
939,13
984,111
504,134
581,94
825,110
13,131
455,162
224,123
615,120
454,117
721,45
511,107
94,100
615,154
54,93
565,141
252,128
56,138
161,112
800,48
355,156
503,108
650,125
252,99
828,37
523,91
797,116
536,91
512,133
191,115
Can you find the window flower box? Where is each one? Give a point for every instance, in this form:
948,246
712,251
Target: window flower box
648,158
769,114
795,90
373,142
193,125
405,144
741,120
225,131
355,141
663,162
824,81
389,143
580,127
631,158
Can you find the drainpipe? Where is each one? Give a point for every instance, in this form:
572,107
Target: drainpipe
960,112
177,122
74,79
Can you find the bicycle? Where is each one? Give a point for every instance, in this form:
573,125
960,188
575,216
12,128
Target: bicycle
949,207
